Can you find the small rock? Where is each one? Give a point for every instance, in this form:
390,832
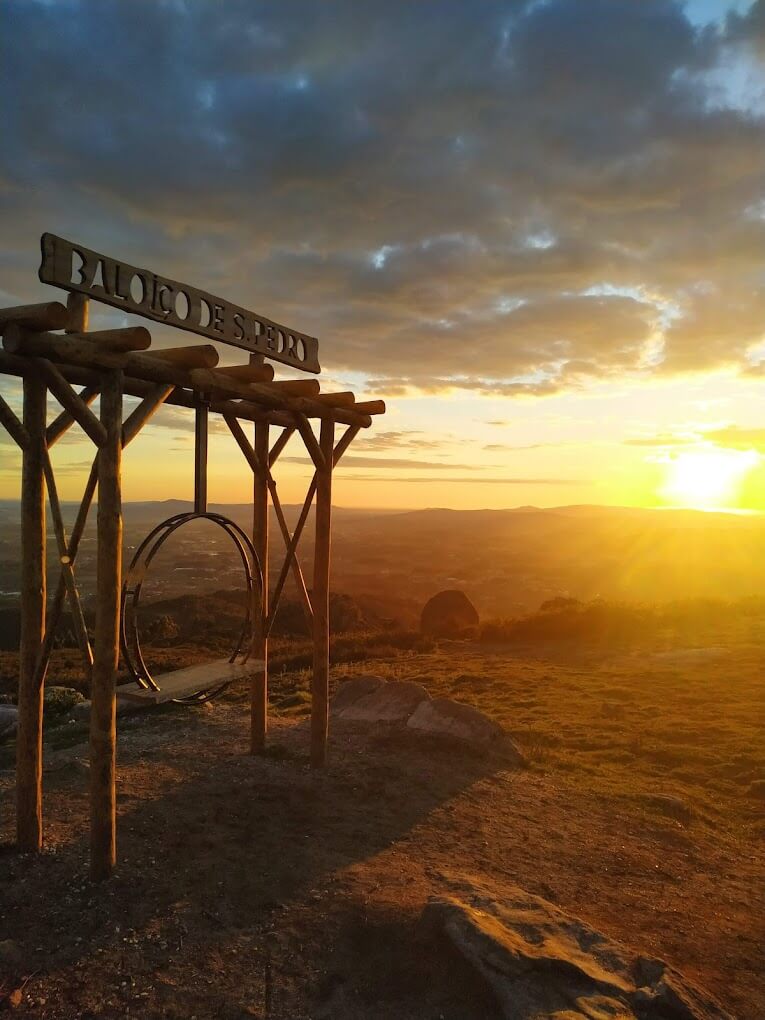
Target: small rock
10,954
757,789
672,806
58,700
81,711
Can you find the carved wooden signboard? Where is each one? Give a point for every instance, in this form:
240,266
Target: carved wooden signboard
140,292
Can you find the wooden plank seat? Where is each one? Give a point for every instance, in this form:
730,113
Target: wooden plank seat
181,683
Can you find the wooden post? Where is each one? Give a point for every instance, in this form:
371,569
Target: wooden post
320,599
29,738
78,313
201,413
103,733
259,683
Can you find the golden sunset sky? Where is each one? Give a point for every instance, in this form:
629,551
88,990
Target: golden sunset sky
537,229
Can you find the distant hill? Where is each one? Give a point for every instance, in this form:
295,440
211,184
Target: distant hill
506,561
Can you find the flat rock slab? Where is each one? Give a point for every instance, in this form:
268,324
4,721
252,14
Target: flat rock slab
351,690
391,702
544,964
447,718
407,705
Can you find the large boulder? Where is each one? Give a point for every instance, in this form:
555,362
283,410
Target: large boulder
543,963
448,614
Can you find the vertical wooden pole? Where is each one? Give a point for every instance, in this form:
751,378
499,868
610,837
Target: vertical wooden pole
103,731
320,600
78,308
259,683
29,738
201,415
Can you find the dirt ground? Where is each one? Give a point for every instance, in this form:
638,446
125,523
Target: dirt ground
254,887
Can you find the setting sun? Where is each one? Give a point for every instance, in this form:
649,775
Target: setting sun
709,478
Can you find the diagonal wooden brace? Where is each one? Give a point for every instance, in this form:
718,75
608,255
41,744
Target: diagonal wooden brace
311,442
130,430
13,426
279,445
66,567
71,401
290,559
65,420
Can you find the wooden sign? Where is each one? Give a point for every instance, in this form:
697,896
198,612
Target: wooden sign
140,292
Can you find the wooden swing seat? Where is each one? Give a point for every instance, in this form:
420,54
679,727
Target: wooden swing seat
181,683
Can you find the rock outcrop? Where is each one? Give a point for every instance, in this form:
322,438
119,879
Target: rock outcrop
408,706
448,614
447,718
543,963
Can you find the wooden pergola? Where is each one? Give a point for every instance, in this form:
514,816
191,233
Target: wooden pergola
76,367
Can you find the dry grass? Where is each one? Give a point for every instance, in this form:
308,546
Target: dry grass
639,811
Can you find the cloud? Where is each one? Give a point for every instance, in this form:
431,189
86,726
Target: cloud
387,463
510,198
506,447
471,480
662,440
392,440
738,438
731,437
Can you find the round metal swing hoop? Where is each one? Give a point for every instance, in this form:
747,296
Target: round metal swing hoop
130,638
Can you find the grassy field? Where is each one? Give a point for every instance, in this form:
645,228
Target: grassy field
641,810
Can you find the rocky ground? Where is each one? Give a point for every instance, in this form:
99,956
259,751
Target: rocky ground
254,887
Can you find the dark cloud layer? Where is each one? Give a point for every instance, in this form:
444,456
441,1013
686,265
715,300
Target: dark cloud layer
508,197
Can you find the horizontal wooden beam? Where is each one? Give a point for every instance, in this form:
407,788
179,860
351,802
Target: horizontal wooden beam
199,356
370,407
132,338
69,349
49,315
297,387
248,373
263,393
341,399
80,362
